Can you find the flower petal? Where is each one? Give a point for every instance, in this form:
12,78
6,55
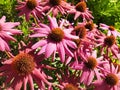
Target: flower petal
61,51
39,44
50,48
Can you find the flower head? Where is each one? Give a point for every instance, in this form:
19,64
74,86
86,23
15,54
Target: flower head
56,6
69,81
81,10
89,65
55,2
108,43
110,79
6,32
56,35
56,38
70,87
23,64
22,69
111,30
28,7
90,25
91,29
81,6
80,31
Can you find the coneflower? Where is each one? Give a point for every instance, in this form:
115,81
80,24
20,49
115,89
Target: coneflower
30,7
6,31
56,39
81,10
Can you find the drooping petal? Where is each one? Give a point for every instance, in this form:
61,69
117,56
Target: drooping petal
39,44
2,46
50,48
90,77
77,14
30,80
25,83
67,50
42,50
84,75
7,36
17,83
37,74
71,44
61,51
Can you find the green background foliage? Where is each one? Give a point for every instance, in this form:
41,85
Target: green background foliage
105,11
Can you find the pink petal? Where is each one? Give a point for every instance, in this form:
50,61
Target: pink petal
9,25
30,80
103,25
7,36
17,83
94,54
45,26
68,52
27,16
55,12
61,51
39,83
2,46
38,35
53,22
13,31
62,23
84,75
6,46
115,88
90,77
50,48
3,19
77,14
11,76
42,50
40,77
71,44
39,44
97,74
25,82
69,36
3,68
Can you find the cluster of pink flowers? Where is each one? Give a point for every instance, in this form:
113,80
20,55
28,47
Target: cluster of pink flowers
90,57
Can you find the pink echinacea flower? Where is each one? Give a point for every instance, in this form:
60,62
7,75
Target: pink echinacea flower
21,70
90,66
6,32
28,7
56,38
56,6
110,79
69,81
107,43
111,30
81,10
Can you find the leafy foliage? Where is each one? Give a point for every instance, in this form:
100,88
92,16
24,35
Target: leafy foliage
105,11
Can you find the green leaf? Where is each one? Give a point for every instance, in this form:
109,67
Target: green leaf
1,1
